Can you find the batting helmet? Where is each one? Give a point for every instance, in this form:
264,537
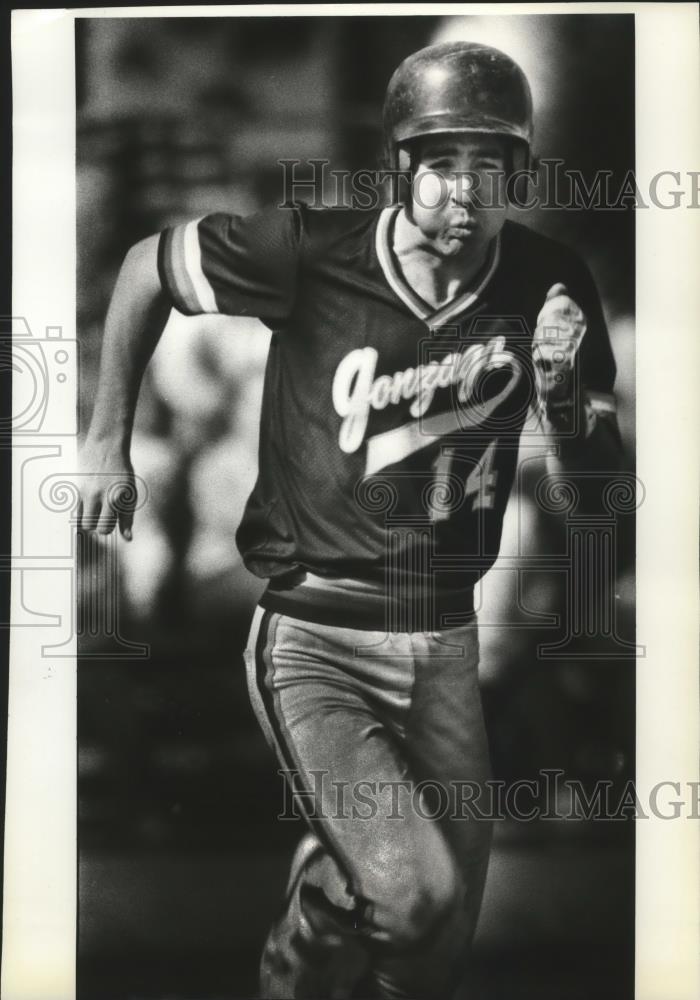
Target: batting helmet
457,87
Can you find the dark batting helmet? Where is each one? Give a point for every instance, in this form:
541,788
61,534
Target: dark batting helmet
457,87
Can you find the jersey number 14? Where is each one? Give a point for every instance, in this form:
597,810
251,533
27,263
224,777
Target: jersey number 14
480,484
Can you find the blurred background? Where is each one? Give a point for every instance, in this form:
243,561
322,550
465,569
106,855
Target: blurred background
182,860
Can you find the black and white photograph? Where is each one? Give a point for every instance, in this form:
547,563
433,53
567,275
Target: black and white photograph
352,529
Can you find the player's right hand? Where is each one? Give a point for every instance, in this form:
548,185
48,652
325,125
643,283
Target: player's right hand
107,489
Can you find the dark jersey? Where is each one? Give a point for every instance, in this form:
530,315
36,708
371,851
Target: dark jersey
389,430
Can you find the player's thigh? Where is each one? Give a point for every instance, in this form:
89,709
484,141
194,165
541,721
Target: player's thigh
351,769
448,745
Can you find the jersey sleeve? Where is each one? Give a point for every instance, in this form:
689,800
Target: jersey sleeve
594,368
233,265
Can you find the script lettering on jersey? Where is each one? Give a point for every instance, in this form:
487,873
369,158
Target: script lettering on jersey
356,392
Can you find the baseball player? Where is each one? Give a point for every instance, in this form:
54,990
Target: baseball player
409,344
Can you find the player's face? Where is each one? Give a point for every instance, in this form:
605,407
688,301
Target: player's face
459,198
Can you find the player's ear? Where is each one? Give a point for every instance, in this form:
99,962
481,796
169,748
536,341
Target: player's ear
408,158
522,170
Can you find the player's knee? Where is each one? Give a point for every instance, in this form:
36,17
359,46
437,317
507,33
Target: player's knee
420,905
425,912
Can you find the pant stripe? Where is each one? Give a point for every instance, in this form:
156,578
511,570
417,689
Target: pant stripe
264,669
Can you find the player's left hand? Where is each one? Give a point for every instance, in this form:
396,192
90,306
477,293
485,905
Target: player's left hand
561,326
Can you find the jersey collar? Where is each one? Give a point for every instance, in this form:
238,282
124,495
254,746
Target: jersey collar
398,284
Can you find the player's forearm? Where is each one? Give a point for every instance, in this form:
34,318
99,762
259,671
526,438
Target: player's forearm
599,451
135,320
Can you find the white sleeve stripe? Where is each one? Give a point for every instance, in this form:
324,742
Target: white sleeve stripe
601,402
193,264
